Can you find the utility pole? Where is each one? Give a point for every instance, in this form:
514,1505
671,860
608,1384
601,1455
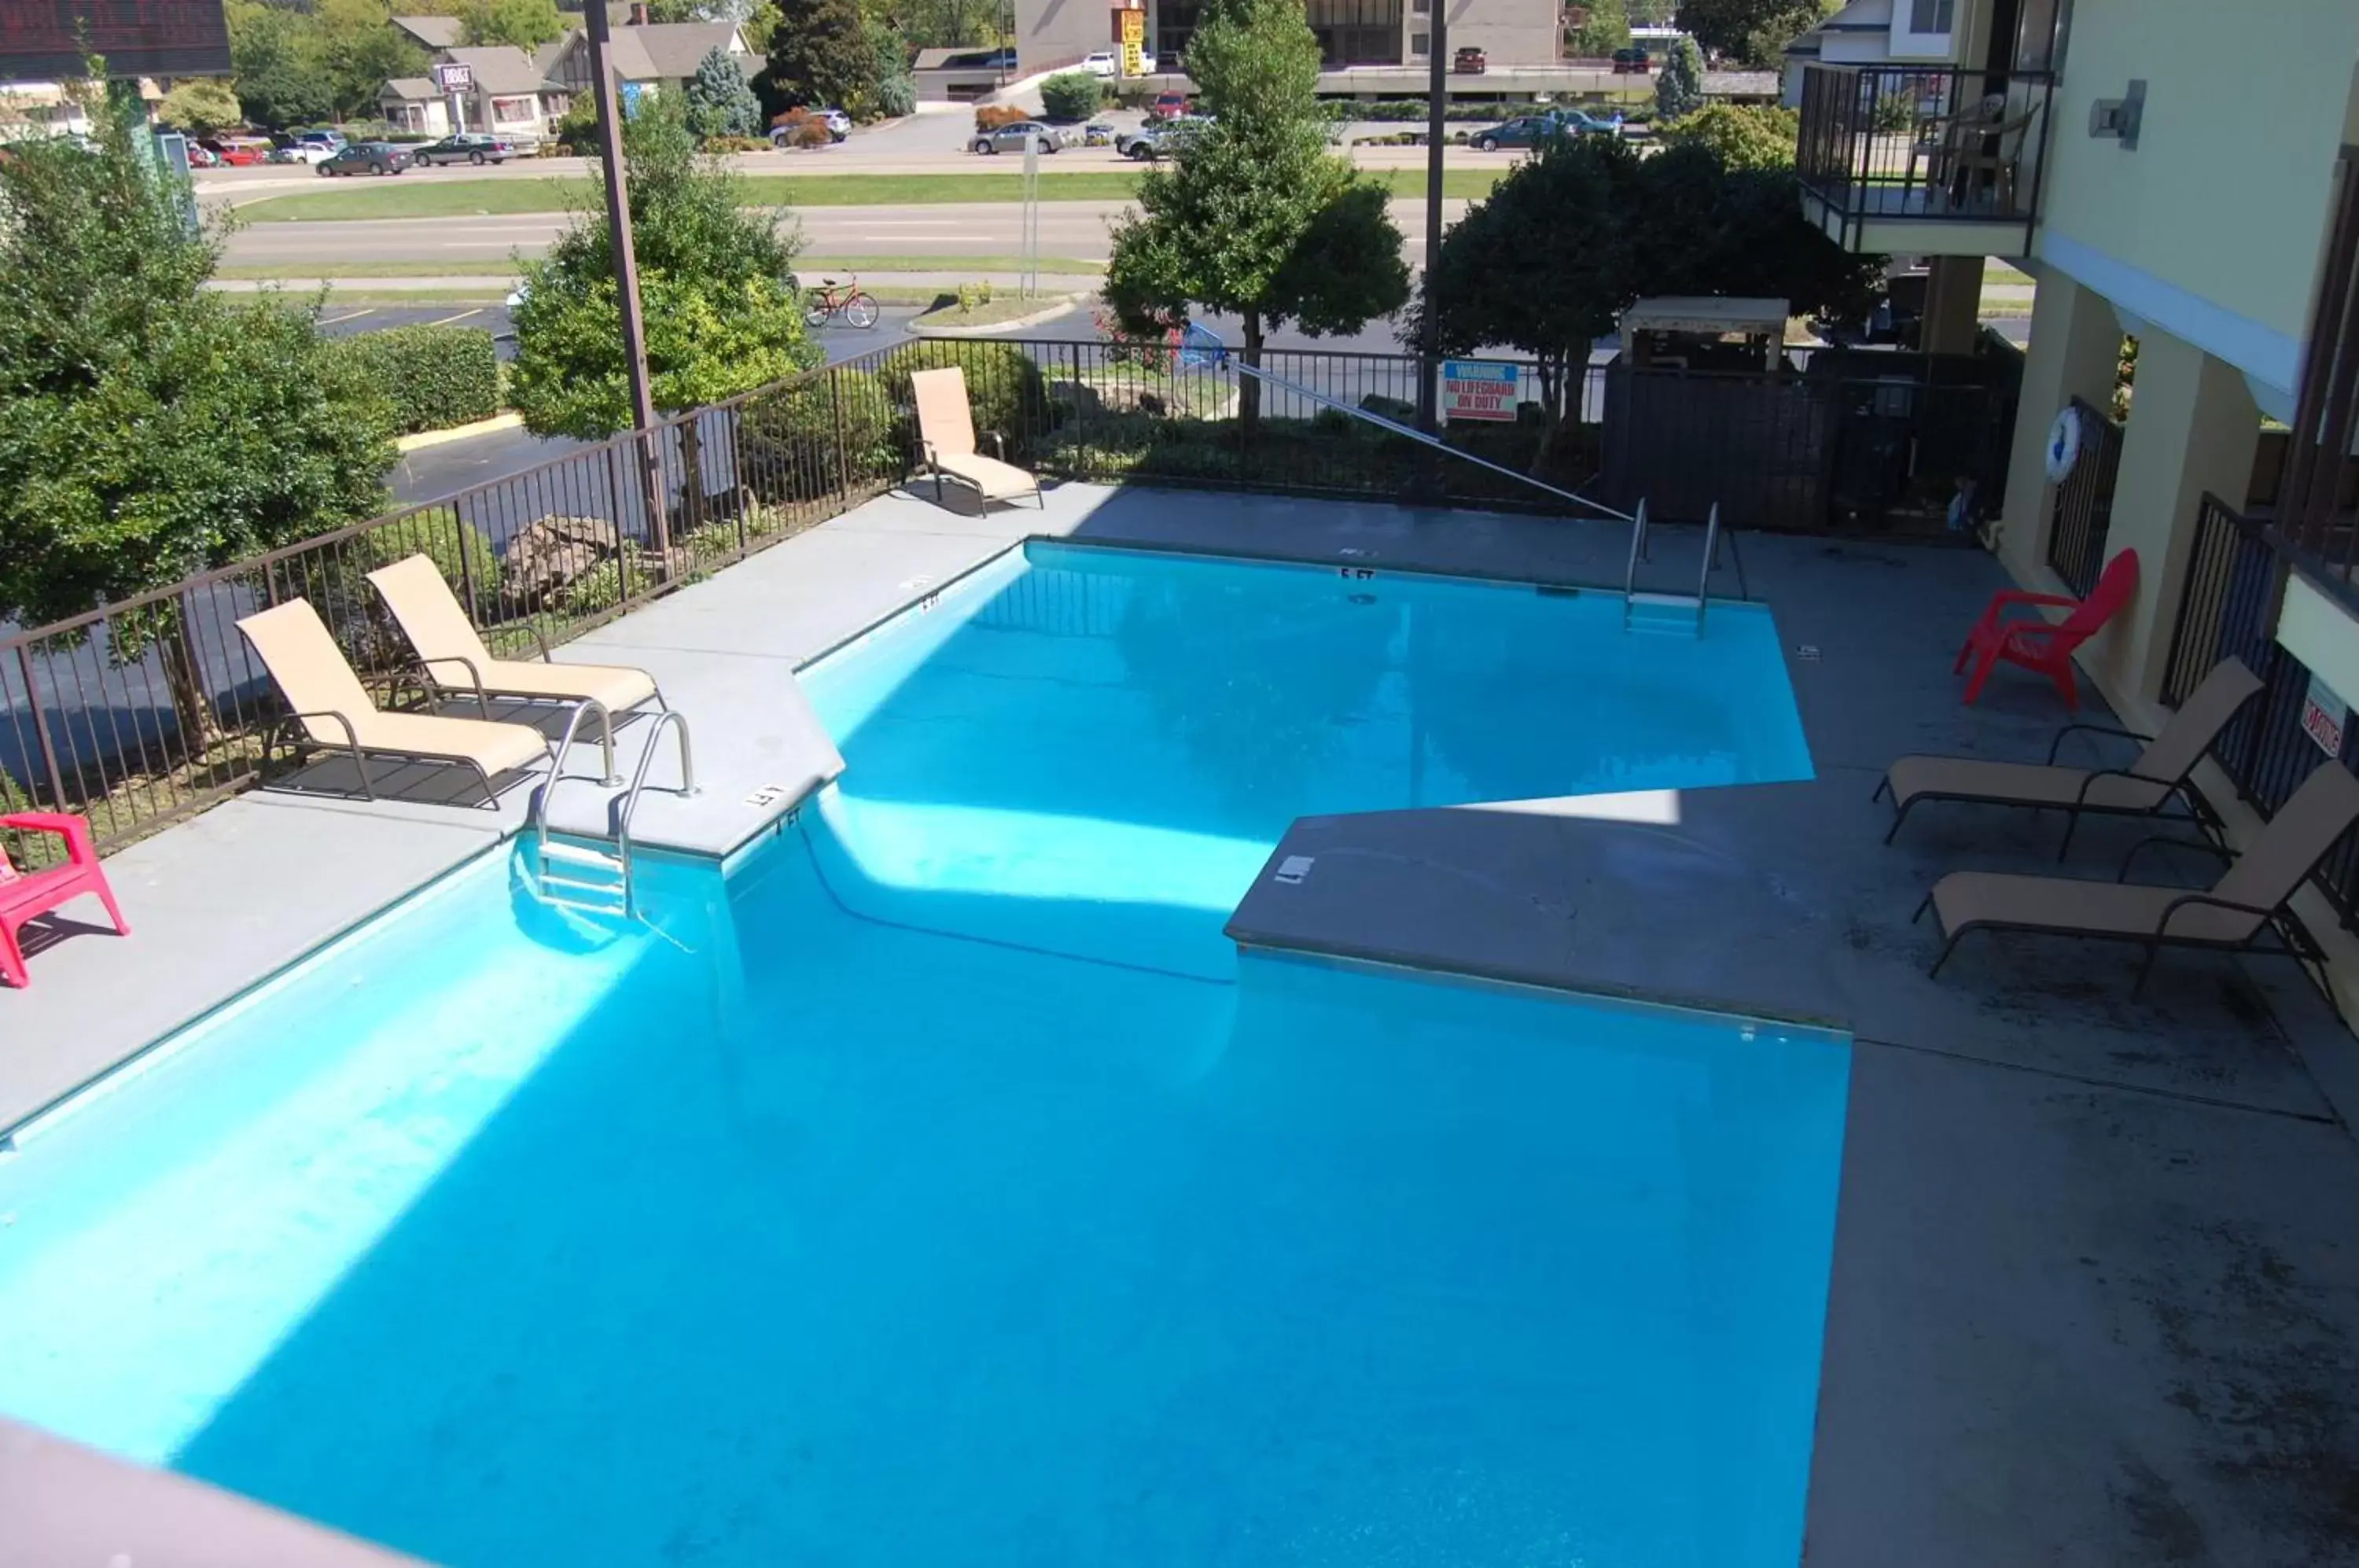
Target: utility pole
1428,355
626,287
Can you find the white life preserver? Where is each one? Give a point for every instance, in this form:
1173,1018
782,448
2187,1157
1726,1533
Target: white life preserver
2063,445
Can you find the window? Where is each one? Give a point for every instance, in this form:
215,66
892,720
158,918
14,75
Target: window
1932,16
1420,44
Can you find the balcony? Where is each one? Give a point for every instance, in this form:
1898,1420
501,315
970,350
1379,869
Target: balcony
1926,160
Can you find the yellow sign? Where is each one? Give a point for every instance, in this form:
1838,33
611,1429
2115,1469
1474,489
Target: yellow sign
1133,41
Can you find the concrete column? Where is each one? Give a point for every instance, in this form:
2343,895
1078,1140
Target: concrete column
1953,304
2193,427
2075,346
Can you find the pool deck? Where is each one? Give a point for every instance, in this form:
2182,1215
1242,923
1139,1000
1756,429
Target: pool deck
2095,1295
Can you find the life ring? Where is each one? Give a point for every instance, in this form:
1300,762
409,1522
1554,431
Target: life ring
2063,445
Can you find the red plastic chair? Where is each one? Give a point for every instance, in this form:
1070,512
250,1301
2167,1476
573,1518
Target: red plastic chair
24,895
2036,643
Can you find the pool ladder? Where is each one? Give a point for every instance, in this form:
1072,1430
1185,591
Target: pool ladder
1632,598
595,877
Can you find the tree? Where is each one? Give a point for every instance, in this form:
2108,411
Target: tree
820,55
357,51
723,312
523,24
1679,87
1071,96
1254,216
200,104
1755,32
1741,136
150,427
1605,27
279,81
720,102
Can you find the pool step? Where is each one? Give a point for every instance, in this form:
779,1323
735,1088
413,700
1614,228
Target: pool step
584,876
1662,615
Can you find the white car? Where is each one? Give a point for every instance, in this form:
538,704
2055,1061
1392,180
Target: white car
313,153
1108,63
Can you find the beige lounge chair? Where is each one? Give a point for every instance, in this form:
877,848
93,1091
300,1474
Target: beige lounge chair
2160,775
334,711
946,431
2235,912
455,659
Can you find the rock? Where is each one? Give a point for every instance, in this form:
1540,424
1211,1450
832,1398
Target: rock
546,555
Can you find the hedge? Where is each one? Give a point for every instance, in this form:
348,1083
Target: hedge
1071,96
434,376
1003,386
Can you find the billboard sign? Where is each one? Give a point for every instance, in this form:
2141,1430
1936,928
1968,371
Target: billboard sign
1478,389
1133,43
454,76
44,40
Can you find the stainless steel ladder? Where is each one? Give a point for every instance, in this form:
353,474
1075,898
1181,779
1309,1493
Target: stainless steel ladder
1631,597
595,877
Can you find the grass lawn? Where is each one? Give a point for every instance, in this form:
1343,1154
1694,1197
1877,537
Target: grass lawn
423,198
1006,308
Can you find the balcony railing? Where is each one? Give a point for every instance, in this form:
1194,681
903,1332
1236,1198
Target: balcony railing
1917,144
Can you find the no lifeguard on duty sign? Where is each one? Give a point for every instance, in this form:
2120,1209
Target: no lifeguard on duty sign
1478,389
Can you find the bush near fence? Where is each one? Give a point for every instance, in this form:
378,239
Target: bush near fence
436,377
1003,386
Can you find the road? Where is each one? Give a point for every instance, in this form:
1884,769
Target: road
1068,230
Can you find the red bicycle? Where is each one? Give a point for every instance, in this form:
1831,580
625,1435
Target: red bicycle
832,300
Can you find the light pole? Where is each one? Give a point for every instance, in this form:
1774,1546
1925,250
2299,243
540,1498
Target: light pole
1428,355
626,287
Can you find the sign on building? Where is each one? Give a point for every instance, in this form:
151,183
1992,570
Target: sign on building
2324,716
1133,43
47,41
1478,389
454,76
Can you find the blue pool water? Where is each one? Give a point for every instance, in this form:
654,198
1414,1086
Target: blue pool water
938,1188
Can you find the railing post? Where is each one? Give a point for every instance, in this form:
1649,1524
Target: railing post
41,729
843,463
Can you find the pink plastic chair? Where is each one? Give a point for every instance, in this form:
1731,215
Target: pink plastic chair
24,895
2034,642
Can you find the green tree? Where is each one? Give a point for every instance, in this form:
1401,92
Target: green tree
720,102
820,54
150,427
1755,32
200,104
1255,217
1605,27
1741,136
1679,86
723,312
280,80
357,51
524,23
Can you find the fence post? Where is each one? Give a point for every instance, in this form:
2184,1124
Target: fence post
614,495
41,729
836,406
466,566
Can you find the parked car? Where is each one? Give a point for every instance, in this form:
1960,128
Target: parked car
1588,123
1167,106
1633,58
374,158
1150,142
238,152
1010,139
202,157
324,138
838,124
467,147
1525,130
1469,62
1108,63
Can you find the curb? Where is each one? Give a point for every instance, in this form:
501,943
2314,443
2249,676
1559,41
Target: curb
460,432
1013,322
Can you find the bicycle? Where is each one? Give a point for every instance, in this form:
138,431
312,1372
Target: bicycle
832,300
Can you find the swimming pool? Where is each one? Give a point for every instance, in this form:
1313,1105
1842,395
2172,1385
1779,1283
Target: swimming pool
937,1186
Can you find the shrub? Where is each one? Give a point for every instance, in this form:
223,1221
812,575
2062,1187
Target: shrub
1071,96
434,376
786,439
460,553
992,115
735,144
895,95
1003,384
811,134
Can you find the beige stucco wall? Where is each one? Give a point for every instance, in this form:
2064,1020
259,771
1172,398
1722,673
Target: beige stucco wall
1508,32
2225,198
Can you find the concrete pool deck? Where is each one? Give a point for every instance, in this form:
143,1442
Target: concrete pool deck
2095,1295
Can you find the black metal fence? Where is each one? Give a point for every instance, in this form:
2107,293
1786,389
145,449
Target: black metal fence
2084,501
1919,143
2235,578
143,711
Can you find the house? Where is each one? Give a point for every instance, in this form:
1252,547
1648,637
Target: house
507,94
432,33
2088,143
1350,33
648,57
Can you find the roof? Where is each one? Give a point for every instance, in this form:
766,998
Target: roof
965,57
677,48
498,68
544,58
434,32
1705,314
409,90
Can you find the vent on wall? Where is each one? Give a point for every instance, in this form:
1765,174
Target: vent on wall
2119,117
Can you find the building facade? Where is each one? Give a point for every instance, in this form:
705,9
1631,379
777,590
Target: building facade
1350,33
2189,212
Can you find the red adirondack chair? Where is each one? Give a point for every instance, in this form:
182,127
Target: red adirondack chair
24,895
2035,642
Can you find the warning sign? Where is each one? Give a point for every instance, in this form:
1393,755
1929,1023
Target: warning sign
1478,389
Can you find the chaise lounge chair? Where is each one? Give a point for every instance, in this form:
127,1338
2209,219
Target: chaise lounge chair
2036,643
454,658
334,711
24,895
946,431
2158,776
2234,913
